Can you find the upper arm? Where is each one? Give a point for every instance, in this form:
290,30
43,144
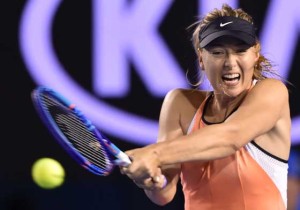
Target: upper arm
169,129
169,119
260,111
176,113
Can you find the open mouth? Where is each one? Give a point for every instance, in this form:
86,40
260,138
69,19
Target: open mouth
231,79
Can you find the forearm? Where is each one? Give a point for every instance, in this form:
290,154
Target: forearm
163,196
213,142
159,197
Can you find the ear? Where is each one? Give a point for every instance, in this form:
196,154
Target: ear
201,64
257,56
257,50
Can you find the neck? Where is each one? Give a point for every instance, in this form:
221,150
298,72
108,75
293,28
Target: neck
220,106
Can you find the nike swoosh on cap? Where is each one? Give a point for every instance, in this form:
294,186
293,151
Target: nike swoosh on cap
224,24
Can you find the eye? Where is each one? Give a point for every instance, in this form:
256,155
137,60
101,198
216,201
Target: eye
241,50
216,51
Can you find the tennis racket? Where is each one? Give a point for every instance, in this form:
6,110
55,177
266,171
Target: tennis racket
76,134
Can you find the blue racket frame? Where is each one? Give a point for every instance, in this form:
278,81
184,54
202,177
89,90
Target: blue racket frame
111,150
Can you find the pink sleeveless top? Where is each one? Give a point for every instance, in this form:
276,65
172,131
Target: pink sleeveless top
237,182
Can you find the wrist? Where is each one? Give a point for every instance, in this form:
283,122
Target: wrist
156,152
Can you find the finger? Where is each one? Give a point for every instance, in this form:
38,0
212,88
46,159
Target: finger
149,184
121,163
122,169
160,181
126,171
156,179
130,154
145,184
157,176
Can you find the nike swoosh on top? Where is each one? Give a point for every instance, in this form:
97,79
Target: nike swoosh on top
224,24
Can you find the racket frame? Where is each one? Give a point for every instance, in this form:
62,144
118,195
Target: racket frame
113,154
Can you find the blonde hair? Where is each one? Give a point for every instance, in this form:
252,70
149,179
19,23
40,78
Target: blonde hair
263,68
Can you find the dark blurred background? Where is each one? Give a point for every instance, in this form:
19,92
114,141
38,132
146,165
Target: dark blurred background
72,36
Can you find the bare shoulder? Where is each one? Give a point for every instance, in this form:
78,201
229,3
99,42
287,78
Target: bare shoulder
272,91
190,96
181,105
272,85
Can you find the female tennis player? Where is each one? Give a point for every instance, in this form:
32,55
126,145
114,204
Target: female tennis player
229,147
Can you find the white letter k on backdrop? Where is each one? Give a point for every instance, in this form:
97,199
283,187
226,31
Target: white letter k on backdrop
124,32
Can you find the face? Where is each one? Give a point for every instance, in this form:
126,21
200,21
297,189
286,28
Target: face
229,65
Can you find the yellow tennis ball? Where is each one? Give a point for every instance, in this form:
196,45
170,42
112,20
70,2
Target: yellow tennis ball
48,173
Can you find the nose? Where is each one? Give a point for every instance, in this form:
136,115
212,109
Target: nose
230,61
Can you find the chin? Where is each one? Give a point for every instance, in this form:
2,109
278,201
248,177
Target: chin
232,92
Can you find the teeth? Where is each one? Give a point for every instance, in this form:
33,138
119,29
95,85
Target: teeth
230,76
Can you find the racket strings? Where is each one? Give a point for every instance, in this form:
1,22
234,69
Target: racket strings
77,133
83,141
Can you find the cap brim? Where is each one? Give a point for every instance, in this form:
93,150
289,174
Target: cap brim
245,37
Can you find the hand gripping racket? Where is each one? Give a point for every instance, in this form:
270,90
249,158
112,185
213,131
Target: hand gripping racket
77,135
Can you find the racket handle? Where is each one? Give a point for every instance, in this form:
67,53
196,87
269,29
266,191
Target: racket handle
122,159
